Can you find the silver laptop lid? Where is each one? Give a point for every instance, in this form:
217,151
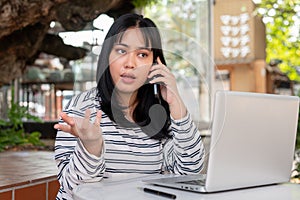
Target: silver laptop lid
253,140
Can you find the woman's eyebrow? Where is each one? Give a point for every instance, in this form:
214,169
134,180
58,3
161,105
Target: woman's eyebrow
138,48
121,44
144,48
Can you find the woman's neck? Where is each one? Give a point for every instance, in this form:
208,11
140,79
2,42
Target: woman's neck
128,101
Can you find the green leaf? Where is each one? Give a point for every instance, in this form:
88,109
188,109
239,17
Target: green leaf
12,131
34,138
279,34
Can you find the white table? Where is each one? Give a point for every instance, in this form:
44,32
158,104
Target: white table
128,188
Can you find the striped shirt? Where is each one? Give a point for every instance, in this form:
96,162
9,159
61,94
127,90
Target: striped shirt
125,150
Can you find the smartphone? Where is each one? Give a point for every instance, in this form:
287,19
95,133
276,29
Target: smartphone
155,88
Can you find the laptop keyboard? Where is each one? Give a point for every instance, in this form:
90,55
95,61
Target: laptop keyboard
194,182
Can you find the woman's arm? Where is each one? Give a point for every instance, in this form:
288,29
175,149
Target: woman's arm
184,153
76,164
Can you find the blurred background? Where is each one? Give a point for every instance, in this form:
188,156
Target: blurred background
49,52
49,49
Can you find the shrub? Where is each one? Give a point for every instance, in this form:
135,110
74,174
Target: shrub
12,131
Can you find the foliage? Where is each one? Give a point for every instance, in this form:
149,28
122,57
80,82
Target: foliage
298,136
143,3
282,18
12,131
296,169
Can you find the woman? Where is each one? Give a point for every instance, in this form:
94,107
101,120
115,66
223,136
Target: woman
134,121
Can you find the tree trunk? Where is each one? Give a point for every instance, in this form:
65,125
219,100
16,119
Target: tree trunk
24,26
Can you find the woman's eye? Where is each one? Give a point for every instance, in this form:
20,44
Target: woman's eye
121,51
143,55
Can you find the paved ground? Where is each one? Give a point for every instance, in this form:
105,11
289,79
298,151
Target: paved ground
25,166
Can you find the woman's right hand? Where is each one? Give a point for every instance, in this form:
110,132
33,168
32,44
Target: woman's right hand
89,133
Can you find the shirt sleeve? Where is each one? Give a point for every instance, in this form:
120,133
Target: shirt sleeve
184,152
75,164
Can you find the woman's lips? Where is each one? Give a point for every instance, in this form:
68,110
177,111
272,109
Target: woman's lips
127,78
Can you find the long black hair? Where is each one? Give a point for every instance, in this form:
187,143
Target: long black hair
154,122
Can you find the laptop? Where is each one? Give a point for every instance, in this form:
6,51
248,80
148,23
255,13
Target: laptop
252,143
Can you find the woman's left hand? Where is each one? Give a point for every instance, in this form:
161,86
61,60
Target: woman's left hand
160,74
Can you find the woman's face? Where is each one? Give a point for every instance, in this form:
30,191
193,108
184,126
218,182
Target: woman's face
130,61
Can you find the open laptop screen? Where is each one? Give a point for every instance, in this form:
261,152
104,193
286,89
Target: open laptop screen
253,139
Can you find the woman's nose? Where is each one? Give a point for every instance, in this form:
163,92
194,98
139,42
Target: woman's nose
130,61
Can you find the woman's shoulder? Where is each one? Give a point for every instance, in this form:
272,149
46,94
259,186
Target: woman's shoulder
85,98
87,94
